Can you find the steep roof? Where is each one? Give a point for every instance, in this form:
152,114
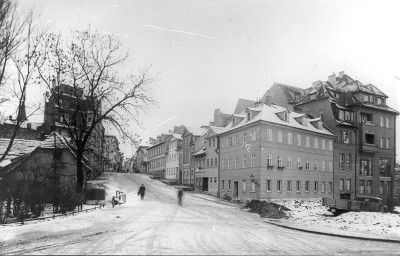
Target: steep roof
242,104
19,148
269,114
196,131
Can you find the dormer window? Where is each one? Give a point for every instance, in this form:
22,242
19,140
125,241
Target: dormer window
380,101
248,116
313,96
233,121
286,117
297,97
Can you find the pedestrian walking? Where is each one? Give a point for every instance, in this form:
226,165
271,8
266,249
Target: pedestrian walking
141,191
180,194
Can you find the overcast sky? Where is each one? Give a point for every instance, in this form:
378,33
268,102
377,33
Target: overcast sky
210,53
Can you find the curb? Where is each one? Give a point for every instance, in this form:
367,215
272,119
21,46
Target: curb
333,234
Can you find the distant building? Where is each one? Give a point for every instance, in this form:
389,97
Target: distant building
142,160
112,154
173,141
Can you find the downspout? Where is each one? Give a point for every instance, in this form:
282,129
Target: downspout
394,162
219,169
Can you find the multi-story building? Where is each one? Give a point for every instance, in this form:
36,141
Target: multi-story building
141,159
187,175
173,141
268,151
365,150
156,156
114,158
207,161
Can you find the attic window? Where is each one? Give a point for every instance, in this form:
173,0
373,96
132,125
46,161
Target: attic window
297,97
248,116
313,96
233,121
285,117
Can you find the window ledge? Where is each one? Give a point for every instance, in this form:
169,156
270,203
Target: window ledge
252,191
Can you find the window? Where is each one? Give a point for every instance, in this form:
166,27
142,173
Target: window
341,161
345,137
208,162
236,162
323,187
366,118
323,144
269,160
289,185
307,141
297,97
383,142
315,186
229,163
387,122
269,134
307,186
213,140
369,186
369,138
279,161
348,185
285,117
211,162
279,185
330,145
362,186
388,187
253,160
230,141
233,121
223,163
348,162
316,143
289,162
244,161
330,166
330,187
298,162
323,165
289,138
384,168
223,184
237,139
280,136
382,121
229,185
268,185
244,137
248,116
299,140
253,186
381,185
341,184
387,143
243,186
298,186
366,166
316,164
307,163
216,162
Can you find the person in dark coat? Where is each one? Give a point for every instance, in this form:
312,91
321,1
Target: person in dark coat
141,191
180,194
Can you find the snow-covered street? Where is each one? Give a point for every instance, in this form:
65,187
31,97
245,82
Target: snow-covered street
157,225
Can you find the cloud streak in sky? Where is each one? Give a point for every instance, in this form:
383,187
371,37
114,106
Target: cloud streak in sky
166,121
182,32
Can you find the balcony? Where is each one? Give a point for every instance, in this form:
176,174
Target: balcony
369,149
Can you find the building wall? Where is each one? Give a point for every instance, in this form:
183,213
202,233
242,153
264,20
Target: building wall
172,160
258,145
156,155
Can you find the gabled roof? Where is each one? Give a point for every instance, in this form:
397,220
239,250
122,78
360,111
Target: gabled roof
242,104
201,152
19,148
269,114
195,131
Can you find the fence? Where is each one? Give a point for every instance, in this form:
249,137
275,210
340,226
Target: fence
59,215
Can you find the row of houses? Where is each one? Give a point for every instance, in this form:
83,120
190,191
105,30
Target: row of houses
335,138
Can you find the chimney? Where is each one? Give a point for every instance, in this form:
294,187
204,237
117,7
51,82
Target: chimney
217,116
268,99
341,73
332,79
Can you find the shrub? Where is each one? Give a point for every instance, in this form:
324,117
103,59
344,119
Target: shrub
267,209
227,197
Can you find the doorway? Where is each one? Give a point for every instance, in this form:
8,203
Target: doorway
205,183
236,189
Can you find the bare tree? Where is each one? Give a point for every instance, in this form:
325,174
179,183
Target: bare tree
91,65
25,59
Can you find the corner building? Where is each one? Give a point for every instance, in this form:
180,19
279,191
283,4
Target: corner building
269,152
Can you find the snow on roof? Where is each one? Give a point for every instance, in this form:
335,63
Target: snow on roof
196,131
202,151
20,147
217,129
269,114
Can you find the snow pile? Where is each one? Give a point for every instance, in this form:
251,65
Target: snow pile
310,214
267,209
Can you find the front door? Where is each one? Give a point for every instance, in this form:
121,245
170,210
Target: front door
236,189
205,183
180,177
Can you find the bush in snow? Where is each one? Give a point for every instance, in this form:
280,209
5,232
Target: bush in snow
267,209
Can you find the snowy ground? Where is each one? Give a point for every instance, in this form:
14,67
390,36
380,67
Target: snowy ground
205,225
310,214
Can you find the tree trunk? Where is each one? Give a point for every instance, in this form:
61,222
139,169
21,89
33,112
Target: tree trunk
79,174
